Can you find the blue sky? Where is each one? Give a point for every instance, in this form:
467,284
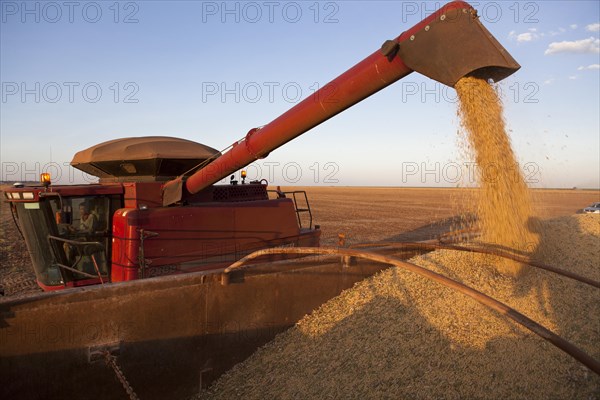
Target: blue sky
78,73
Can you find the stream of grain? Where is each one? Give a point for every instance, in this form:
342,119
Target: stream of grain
504,207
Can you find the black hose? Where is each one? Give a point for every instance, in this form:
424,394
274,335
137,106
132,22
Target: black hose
498,253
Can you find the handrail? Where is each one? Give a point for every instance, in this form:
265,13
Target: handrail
281,194
481,298
74,242
298,210
74,270
80,243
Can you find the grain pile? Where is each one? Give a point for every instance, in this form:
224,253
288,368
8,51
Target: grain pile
504,206
397,335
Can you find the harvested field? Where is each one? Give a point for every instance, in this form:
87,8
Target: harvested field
16,271
397,335
367,214
363,214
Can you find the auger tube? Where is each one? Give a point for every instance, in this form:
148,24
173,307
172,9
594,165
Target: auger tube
447,45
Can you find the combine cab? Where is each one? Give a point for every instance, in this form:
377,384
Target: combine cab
157,210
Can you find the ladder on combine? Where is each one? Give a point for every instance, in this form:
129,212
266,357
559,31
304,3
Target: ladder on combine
304,209
301,207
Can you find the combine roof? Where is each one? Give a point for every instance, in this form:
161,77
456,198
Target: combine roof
150,158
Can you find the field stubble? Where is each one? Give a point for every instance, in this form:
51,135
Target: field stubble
363,214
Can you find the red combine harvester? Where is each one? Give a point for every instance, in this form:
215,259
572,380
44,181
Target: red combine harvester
157,211
119,230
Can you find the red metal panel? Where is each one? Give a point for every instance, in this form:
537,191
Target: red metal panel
147,193
203,236
121,247
121,274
